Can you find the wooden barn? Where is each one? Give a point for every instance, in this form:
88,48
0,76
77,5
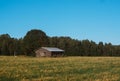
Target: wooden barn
49,52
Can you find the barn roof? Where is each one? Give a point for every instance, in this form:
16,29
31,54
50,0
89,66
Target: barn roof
52,49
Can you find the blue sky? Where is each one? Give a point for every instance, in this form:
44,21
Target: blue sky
97,20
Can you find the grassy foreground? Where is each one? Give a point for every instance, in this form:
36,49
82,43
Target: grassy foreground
60,69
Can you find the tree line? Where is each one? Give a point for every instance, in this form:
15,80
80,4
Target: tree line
35,39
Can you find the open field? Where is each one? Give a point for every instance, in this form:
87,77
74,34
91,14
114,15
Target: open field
60,69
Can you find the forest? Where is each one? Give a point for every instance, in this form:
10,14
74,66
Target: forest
36,38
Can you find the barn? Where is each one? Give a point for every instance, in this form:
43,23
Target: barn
49,52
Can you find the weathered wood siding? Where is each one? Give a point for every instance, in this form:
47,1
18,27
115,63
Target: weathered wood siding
56,54
42,53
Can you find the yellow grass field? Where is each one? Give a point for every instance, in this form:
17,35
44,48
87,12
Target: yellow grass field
59,69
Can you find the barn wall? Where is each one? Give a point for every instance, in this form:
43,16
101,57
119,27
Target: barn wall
42,53
57,54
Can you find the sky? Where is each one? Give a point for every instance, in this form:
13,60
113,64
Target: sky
97,20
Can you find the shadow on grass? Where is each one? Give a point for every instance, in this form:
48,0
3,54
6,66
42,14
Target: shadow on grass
3,78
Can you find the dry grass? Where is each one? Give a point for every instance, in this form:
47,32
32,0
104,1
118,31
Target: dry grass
60,69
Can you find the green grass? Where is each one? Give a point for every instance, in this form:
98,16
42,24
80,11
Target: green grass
60,69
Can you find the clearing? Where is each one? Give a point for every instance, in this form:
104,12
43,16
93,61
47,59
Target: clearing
59,69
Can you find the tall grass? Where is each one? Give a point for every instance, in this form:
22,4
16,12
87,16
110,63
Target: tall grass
60,69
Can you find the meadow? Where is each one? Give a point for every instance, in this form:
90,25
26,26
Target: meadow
59,69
